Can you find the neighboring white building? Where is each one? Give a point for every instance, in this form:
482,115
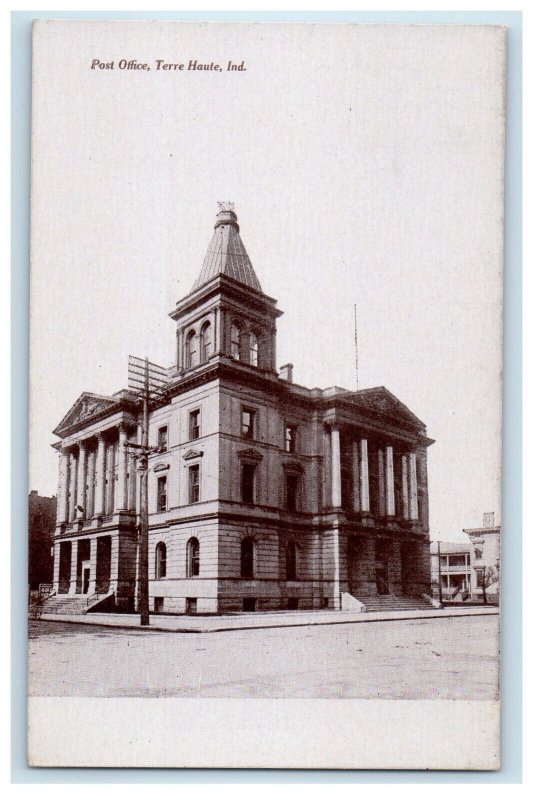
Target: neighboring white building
485,558
469,570
454,573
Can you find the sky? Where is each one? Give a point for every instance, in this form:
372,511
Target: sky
365,164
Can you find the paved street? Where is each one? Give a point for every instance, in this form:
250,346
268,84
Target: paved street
451,658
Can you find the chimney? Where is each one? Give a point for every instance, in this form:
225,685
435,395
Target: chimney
488,519
285,372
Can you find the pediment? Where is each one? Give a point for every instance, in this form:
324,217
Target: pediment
250,454
86,407
161,467
381,401
193,454
293,466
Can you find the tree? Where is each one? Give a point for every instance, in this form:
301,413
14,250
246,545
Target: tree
41,524
487,576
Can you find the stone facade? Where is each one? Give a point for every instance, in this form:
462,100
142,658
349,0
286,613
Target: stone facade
263,494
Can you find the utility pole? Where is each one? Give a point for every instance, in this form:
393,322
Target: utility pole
440,578
146,379
144,603
356,350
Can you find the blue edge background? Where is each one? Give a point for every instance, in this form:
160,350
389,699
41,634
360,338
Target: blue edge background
511,675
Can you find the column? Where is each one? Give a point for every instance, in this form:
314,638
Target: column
80,500
422,483
178,351
389,482
91,471
381,483
336,570
110,472
413,487
405,488
132,467
122,499
73,567
183,358
356,498
363,472
92,563
56,566
216,314
336,494
326,471
99,491
219,331
73,483
62,491
113,573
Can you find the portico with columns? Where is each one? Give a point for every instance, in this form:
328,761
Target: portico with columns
97,503
376,504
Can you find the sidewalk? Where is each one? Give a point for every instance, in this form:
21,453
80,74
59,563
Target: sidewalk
252,620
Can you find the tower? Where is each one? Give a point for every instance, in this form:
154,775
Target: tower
226,315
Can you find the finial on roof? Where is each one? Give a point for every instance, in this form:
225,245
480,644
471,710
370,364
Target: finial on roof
226,214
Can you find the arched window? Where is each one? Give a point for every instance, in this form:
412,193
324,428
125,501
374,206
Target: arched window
235,342
205,342
193,557
247,558
160,560
191,349
254,350
291,564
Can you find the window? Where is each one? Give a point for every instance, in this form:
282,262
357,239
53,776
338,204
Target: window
194,483
247,558
248,603
254,350
193,557
248,483
160,561
478,552
162,493
457,561
292,482
191,605
205,342
159,604
194,424
291,556
191,349
235,342
292,604
290,438
162,439
247,423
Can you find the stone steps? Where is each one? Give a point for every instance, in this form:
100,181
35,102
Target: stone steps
391,603
77,604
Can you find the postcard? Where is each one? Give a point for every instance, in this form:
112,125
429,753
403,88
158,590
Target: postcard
265,395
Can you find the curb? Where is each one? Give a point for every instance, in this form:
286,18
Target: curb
434,614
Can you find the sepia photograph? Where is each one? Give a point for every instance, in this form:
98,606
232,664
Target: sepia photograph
265,393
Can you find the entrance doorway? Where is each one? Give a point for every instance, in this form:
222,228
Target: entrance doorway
382,567
86,573
408,557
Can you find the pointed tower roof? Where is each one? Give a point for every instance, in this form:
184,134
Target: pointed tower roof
226,254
